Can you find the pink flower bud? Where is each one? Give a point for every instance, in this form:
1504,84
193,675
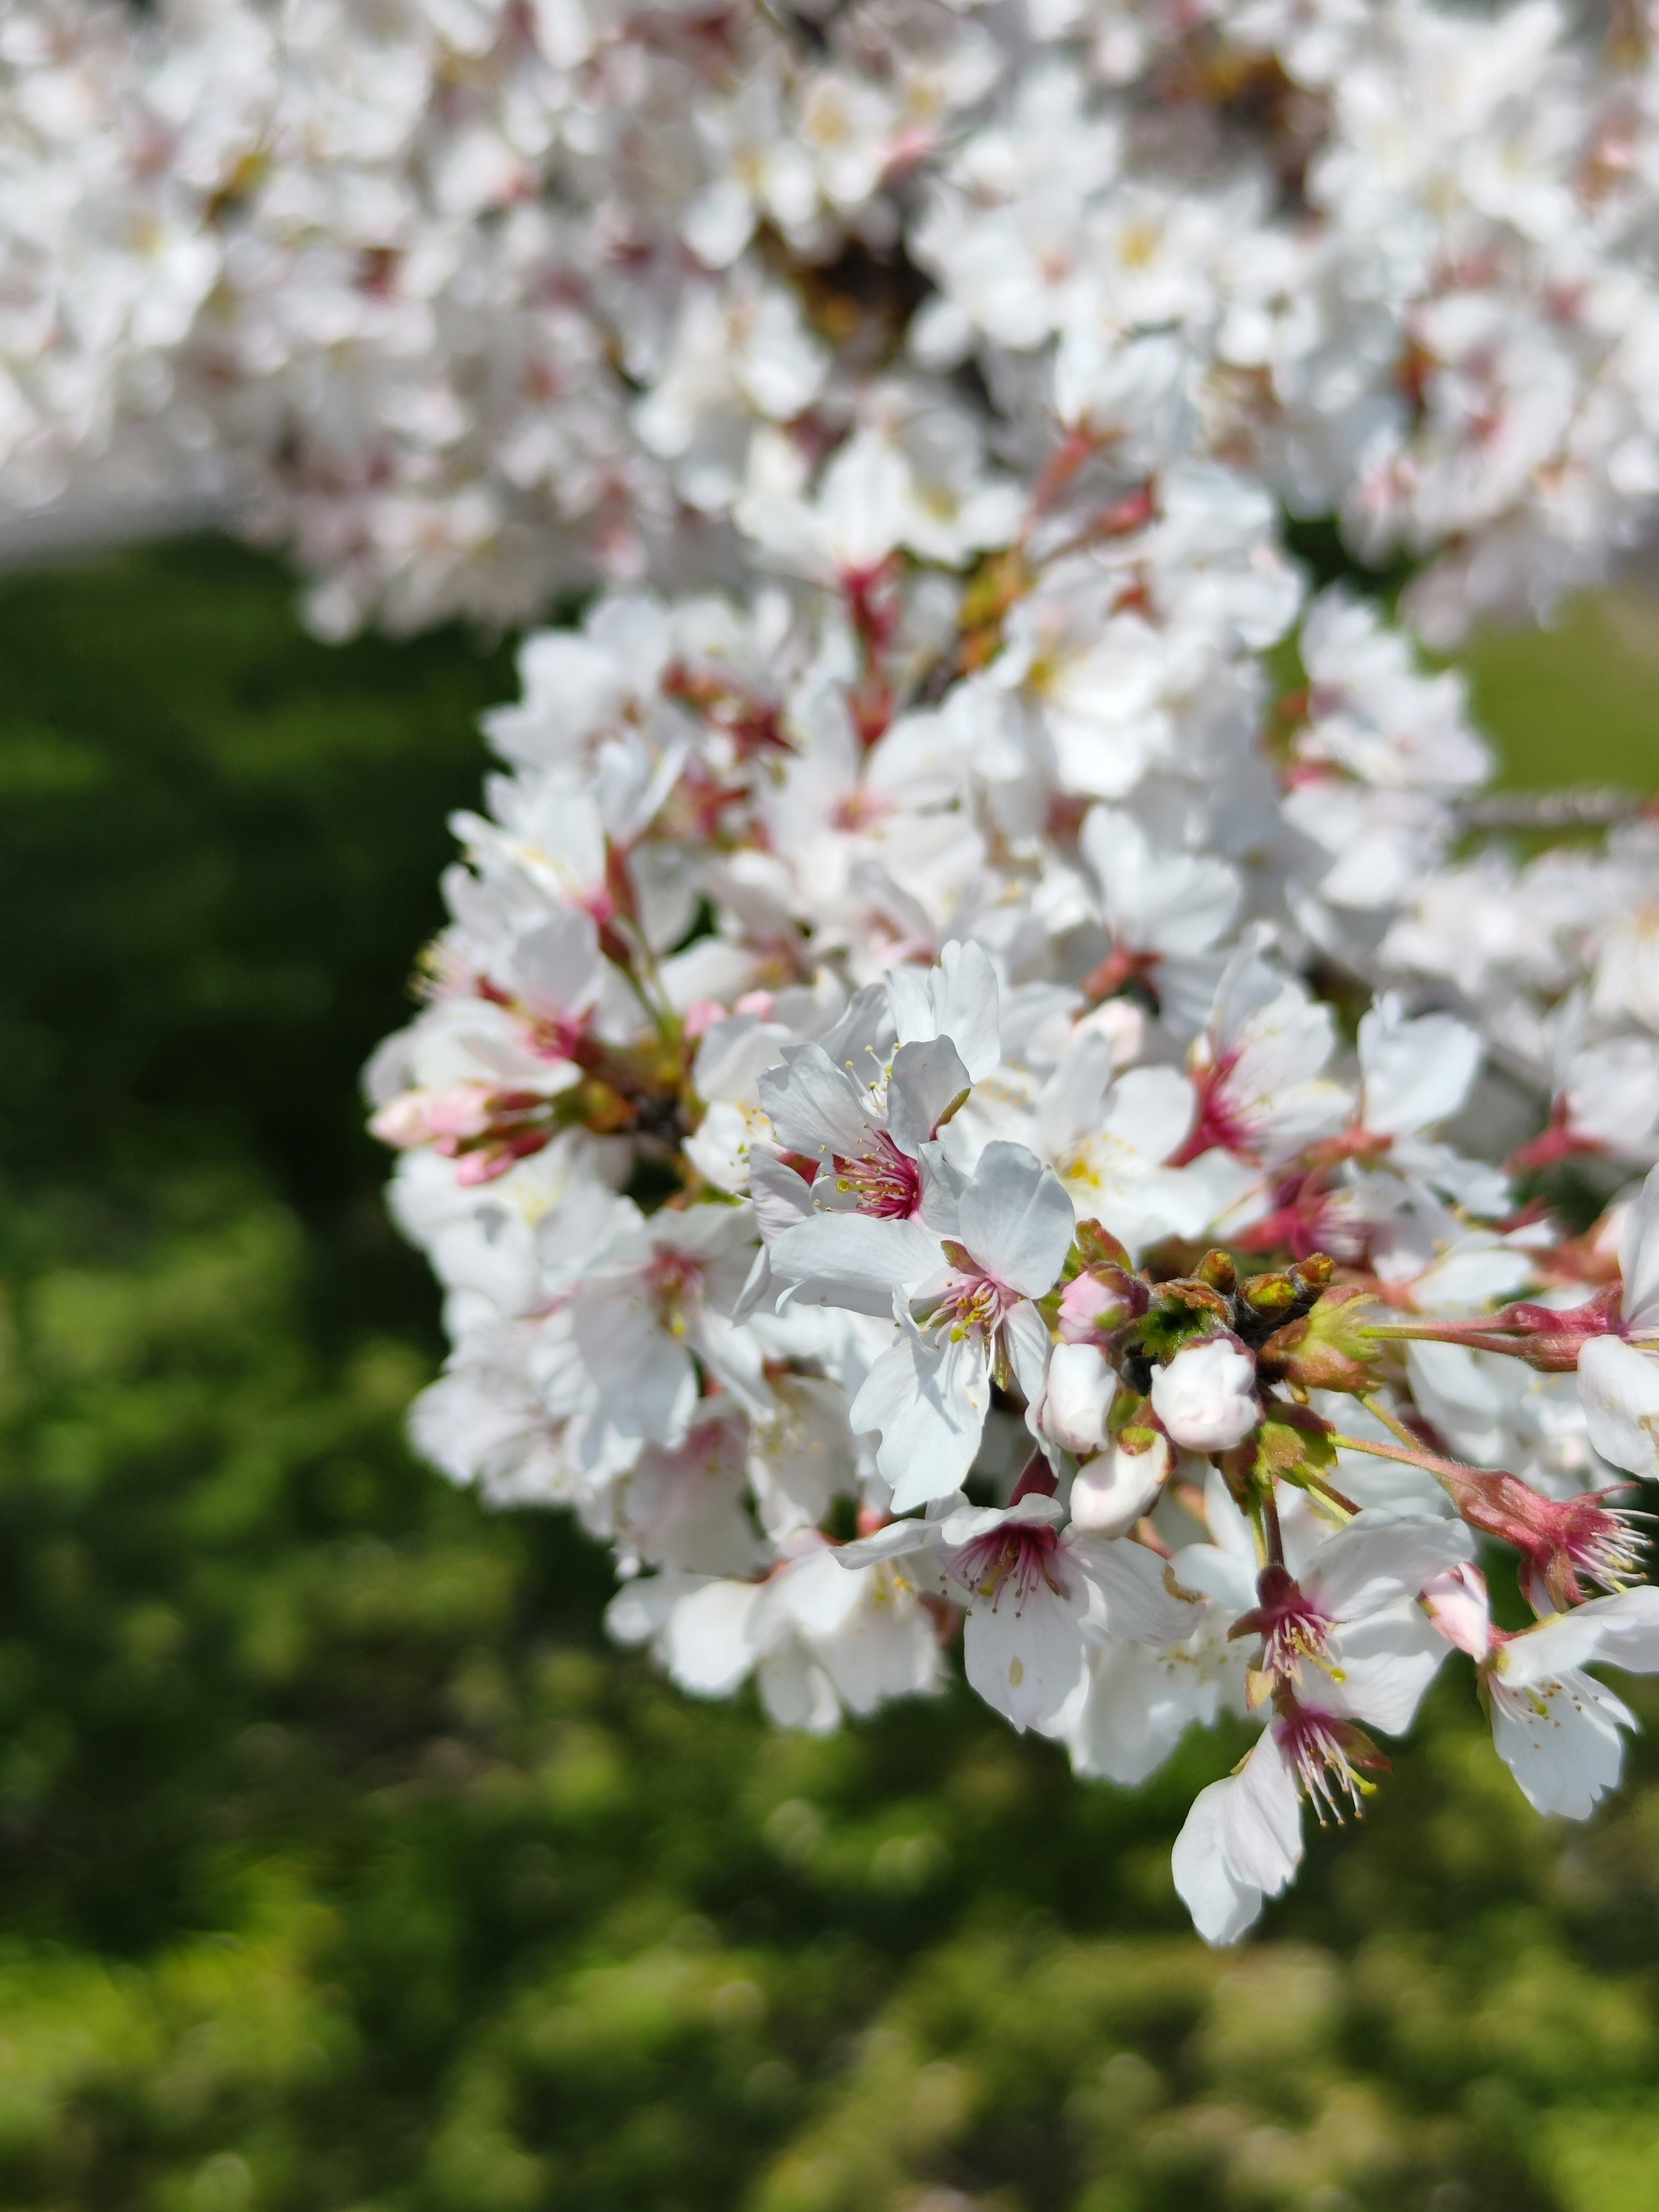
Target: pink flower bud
1205,1397
1096,1305
423,1117
1457,1603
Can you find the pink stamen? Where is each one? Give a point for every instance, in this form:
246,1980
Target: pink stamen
1325,1754
1219,1124
1566,1543
1020,1553
1291,1626
1307,1218
884,1181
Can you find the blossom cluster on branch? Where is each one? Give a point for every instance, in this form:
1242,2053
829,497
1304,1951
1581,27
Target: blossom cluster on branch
906,1127
983,1079
469,301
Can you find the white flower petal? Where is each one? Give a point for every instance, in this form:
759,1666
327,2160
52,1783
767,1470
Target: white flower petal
853,1259
928,1403
1618,1391
1017,1220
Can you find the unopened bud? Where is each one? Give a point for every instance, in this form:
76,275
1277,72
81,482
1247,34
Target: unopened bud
1328,1349
1205,1397
1099,1247
1268,1295
1094,1306
1457,1604
1111,1491
425,1116
1078,1398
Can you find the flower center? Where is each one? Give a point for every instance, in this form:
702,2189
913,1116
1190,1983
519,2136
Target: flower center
1292,1627
1325,1755
884,1182
972,1305
1220,1124
1020,1554
673,1278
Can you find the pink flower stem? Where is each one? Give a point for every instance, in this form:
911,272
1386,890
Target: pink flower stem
1493,1335
1449,1471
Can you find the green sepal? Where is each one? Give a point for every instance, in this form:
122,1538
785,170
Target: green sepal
1292,1444
1329,1349
1180,1311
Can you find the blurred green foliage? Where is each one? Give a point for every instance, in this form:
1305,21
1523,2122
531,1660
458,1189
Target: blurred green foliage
1578,702
345,1869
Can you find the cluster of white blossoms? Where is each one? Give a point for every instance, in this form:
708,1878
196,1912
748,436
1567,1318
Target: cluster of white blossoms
984,1078
904,1124
469,301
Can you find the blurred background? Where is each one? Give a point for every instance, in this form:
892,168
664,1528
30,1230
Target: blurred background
344,1867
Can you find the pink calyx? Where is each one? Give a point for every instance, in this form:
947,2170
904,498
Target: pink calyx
1560,1141
1293,1627
1565,1542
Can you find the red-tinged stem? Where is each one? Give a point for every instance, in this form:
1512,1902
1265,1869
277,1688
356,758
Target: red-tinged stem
1444,1470
1375,1406
1495,1334
1062,465
1272,1531
1329,1490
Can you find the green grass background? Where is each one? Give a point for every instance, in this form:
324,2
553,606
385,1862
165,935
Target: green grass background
343,1865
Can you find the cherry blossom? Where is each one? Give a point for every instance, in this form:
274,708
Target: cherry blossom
991,1060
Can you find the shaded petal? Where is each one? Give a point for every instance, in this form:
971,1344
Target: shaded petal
1560,1740
1383,1664
1618,1391
957,998
1016,1220
1026,1657
926,1082
1241,1843
928,1402
1415,1074
706,1639
1622,1629
814,1107
855,1259
1378,1559
1639,1257
1026,1341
